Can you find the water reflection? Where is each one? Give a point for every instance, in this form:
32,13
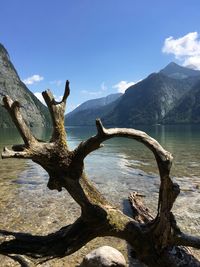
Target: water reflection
123,164
9,136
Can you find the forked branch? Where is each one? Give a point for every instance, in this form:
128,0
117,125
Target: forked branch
57,111
163,157
152,240
14,110
8,153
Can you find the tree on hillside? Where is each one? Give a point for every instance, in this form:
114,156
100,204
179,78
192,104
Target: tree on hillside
157,242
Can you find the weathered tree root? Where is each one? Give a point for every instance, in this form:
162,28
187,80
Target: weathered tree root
153,239
181,255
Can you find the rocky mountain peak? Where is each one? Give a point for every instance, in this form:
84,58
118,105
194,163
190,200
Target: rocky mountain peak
6,66
176,71
34,112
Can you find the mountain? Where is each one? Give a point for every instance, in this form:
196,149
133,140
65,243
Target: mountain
175,71
86,113
169,96
148,101
34,112
187,109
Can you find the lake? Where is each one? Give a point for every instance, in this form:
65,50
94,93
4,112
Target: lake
118,168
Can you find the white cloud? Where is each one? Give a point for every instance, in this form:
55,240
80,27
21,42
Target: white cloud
92,93
58,98
123,85
186,49
98,93
40,97
33,79
193,62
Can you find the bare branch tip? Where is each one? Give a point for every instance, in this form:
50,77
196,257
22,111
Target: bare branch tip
48,97
46,92
5,153
100,128
16,104
43,93
67,91
67,83
5,149
99,125
7,101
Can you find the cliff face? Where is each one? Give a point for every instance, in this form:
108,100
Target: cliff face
149,101
34,112
169,96
187,109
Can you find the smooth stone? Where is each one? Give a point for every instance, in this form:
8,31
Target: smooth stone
105,256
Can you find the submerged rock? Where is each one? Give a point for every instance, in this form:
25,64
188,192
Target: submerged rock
105,256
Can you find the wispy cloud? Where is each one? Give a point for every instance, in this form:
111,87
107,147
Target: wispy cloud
33,79
186,49
123,85
57,82
92,93
103,87
97,93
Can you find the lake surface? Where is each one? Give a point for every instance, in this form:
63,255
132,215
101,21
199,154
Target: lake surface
118,168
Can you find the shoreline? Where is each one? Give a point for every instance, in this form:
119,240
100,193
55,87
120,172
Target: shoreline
32,208
27,205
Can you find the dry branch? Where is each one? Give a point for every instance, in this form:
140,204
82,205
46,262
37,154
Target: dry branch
153,239
14,110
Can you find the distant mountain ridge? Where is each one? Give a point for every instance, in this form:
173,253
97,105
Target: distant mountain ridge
153,100
34,112
149,101
96,103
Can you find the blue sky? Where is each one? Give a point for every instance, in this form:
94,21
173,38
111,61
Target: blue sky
101,46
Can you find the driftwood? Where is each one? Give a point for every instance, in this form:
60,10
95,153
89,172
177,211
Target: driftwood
152,238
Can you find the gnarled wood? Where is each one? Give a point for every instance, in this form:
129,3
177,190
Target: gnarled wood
153,239
14,110
57,111
174,255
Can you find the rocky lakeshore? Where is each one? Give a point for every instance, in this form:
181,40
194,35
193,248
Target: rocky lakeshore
27,205
31,207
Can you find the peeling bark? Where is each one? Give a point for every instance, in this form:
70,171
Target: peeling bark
154,240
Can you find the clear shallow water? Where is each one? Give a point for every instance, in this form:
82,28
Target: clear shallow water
125,165
118,168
